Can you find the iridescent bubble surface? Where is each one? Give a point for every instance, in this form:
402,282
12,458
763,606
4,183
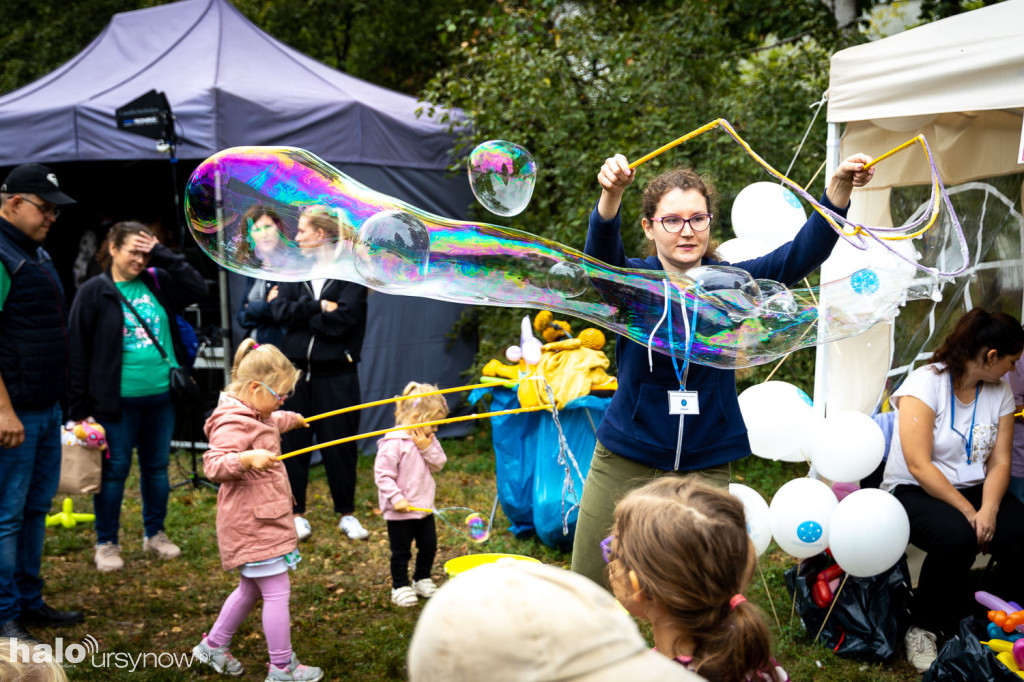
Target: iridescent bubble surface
502,176
476,527
732,320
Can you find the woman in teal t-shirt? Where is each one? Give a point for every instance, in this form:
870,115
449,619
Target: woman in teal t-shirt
120,378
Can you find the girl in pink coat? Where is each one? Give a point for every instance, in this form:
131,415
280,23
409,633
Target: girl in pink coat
255,531
405,461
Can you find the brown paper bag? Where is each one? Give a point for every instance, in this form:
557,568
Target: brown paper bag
80,470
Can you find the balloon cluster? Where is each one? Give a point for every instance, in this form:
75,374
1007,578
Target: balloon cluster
867,532
843,447
391,246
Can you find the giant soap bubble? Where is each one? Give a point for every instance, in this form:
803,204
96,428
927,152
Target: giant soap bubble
715,315
502,176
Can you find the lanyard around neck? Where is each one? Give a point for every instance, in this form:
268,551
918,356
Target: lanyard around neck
968,440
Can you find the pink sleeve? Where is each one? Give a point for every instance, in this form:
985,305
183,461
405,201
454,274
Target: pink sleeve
385,468
434,455
221,462
286,421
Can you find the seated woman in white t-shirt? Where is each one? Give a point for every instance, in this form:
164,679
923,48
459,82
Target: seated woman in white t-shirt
949,466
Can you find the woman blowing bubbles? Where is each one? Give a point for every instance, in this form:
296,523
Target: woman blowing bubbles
639,439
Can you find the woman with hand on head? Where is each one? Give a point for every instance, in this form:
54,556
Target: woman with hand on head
121,379
639,438
949,465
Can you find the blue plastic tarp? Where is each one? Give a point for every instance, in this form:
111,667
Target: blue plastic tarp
530,477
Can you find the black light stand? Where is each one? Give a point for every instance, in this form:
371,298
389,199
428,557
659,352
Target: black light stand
210,336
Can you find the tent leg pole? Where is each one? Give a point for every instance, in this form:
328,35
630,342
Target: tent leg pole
820,356
225,323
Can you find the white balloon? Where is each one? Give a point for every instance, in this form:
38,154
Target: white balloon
532,350
776,413
799,514
768,212
868,532
740,249
514,354
755,509
844,447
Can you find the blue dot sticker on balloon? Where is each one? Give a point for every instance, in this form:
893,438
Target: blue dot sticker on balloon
791,198
864,282
809,532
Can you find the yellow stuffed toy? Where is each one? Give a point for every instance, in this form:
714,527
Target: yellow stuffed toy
572,367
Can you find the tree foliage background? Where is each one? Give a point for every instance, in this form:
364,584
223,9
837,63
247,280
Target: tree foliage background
572,81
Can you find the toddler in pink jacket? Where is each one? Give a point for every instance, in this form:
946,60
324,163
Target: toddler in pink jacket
255,531
403,471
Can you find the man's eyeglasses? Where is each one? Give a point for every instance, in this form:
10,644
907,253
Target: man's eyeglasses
672,224
44,209
277,397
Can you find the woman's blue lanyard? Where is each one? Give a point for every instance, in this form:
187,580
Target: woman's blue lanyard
691,334
968,440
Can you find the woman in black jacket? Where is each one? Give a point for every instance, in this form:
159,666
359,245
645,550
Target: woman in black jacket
325,321
120,379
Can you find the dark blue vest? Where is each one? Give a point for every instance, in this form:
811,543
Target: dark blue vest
33,329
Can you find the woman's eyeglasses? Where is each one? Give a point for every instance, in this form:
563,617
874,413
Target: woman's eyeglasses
277,397
672,224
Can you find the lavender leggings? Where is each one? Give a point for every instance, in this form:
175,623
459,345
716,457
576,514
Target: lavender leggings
275,590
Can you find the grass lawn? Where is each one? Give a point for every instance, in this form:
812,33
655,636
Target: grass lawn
342,617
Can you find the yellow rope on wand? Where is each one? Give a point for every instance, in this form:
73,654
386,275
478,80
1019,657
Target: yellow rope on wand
785,180
436,422
399,398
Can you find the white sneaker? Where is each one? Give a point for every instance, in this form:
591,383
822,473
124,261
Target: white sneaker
922,648
352,528
108,557
425,588
162,546
219,658
303,528
404,597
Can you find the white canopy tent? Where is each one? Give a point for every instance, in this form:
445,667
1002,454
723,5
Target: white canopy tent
960,82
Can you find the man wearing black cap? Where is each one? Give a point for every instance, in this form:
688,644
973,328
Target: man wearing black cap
33,375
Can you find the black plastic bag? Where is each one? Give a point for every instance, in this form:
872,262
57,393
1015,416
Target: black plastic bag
965,659
870,614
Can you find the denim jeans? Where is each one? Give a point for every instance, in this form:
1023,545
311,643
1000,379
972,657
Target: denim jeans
29,475
146,424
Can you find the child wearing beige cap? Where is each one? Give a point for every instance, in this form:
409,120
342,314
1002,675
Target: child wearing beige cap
516,621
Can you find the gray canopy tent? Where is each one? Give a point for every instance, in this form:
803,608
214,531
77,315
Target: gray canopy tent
230,84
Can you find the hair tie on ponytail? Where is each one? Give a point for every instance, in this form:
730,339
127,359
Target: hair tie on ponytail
255,345
736,600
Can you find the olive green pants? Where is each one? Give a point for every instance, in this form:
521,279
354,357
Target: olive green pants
611,477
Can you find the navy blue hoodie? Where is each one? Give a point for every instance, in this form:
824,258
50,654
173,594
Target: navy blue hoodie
637,425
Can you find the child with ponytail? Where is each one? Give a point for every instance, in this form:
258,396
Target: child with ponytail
679,557
403,470
255,531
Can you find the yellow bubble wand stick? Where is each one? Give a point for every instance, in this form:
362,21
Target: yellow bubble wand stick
436,422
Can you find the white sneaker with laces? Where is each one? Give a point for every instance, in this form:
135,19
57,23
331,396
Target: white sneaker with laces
219,658
108,557
352,528
303,528
404,597
922,649
294,672
425,588
162,546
